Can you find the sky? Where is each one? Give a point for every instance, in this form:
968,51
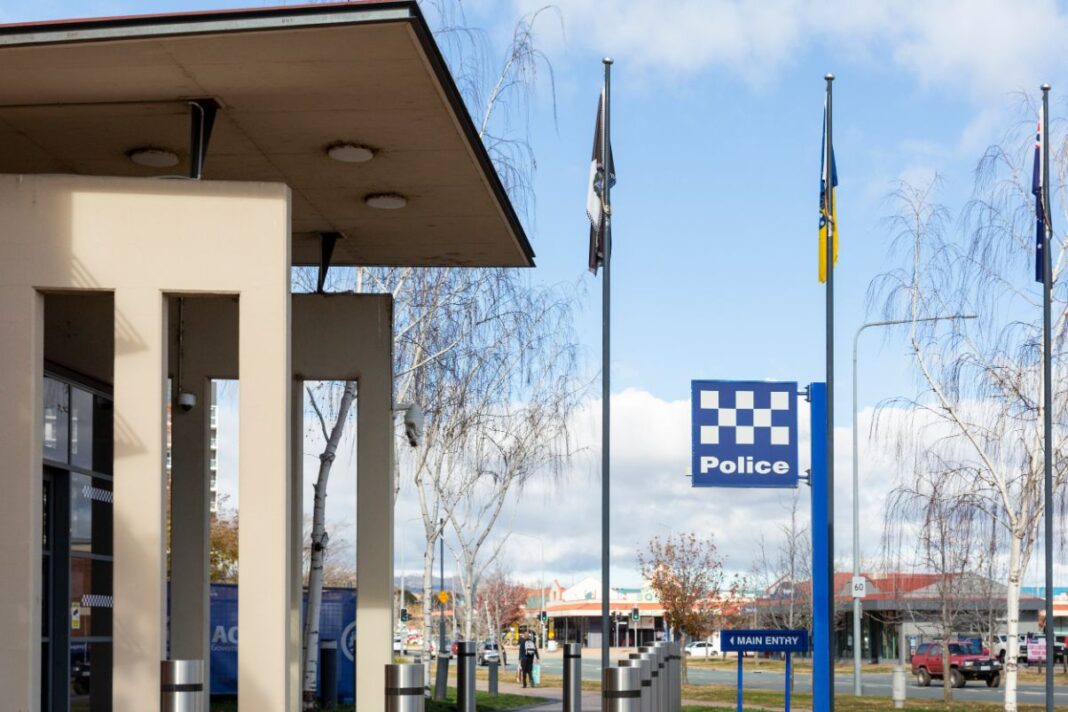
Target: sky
716,120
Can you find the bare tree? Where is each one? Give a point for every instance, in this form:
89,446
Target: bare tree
782,574
947,541
979,408
319,536
686,572
500,601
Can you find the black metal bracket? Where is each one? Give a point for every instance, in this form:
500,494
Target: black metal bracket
327,240
201,121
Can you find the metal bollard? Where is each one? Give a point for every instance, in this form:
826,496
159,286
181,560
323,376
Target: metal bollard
899,687
404,688
621,689
676,676
465,676
669,669
636,660
661,665
181,686
493,673
328,674
572,677
441,680
654,674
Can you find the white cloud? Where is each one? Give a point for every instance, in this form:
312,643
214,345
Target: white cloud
981,48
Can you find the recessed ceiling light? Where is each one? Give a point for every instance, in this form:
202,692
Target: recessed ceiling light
386,201
350,153
153,157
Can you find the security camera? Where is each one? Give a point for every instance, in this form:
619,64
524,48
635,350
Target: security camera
413,424
187,401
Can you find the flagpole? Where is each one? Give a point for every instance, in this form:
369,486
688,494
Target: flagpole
1047,393
606,342
828,162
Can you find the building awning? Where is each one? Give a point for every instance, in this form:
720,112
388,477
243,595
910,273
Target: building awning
289,83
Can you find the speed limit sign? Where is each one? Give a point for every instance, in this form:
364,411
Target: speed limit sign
860,587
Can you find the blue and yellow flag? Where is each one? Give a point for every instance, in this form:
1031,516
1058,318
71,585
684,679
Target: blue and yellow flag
828,204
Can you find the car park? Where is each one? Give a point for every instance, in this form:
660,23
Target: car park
966,662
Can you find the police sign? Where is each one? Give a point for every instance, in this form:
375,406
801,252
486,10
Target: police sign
744,434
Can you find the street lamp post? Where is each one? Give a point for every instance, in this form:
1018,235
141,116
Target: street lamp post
857,687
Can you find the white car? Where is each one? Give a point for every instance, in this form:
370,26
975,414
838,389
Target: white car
702,649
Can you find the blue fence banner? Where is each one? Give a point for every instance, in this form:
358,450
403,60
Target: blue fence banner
337,622
744,434
764,641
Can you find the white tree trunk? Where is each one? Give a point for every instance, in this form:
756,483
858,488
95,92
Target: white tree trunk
1012,615
319,541
428,607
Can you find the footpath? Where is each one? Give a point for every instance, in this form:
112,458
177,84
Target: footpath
591,701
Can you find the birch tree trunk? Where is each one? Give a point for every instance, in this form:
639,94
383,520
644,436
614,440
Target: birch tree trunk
320,539
1012,615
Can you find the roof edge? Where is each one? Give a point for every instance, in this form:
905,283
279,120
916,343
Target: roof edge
298,16
205,21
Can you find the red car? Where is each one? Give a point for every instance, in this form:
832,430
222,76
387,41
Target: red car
966,662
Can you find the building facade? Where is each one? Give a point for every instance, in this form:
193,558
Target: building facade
160,177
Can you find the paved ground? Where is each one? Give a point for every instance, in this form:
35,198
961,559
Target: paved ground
877,684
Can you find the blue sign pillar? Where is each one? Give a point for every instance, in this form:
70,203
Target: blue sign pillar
822,625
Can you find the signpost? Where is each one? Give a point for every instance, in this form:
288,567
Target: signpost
764,641
744,434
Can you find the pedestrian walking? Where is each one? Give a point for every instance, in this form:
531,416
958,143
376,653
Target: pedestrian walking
528,653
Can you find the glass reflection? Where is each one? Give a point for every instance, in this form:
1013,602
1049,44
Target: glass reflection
81,428
56,425
81,512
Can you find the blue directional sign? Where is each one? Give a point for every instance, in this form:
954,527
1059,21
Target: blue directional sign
744,434
764,641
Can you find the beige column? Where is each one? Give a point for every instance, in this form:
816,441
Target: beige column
140,362
264,592
374,520
190,526
22,364
296,538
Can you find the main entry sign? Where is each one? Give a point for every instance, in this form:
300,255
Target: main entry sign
744,434
764,641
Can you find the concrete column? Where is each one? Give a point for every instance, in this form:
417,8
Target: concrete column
21,374
264,539
374,522
139,626
191,527
296,538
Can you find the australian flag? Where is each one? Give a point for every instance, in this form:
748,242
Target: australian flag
1040,213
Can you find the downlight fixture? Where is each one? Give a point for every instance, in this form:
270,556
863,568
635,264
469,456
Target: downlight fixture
152,157
385,201
350,153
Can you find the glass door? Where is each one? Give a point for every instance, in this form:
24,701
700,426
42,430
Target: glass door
77,552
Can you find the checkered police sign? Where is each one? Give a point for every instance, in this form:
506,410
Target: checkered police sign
744,434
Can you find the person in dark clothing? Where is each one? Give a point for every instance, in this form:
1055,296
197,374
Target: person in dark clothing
528,653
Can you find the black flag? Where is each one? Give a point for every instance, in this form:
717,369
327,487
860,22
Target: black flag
595,207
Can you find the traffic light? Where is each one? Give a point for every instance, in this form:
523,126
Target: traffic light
543,616
404,615
635,614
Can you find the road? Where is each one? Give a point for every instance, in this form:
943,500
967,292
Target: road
876,684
